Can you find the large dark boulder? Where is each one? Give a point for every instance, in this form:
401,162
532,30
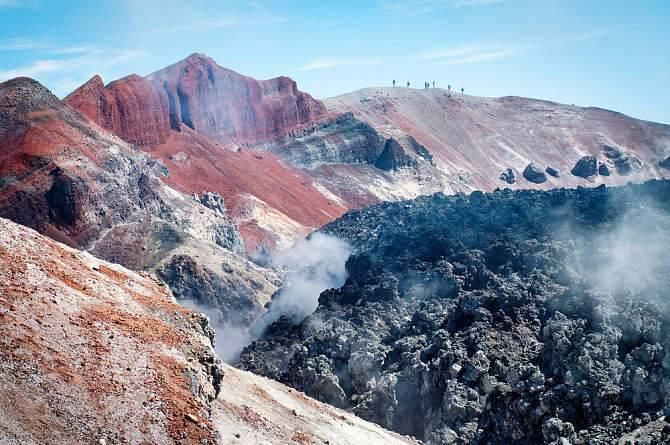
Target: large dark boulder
551,171
586,167
665,163
534,174
508,176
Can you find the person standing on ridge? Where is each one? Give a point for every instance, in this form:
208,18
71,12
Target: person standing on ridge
433,84
394,82
462,90
408,84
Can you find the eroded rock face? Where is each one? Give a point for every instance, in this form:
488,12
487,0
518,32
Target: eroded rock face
84,187
481,319
213,101
534,174
133,108
393,157
339,140
603,170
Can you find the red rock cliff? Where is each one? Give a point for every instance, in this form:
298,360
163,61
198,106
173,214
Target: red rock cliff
214,101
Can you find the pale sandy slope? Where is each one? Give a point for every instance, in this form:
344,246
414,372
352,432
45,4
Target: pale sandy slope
475,138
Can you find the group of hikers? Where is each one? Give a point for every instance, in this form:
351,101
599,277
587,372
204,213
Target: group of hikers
427,85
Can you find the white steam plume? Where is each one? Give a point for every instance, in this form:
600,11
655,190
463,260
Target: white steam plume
312,265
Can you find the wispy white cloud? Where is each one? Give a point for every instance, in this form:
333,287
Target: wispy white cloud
473,53
207,24
34,69
9,3
24,44
580,37
333,62
452,52
485,56
17,44
74,50
420,7
76,65
476,53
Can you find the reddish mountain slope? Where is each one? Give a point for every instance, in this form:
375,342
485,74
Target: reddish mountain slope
250,181
132,108
194,115
67,178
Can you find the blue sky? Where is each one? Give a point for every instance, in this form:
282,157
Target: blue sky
611,53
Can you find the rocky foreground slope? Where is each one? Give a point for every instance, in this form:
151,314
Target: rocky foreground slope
507,318
93,353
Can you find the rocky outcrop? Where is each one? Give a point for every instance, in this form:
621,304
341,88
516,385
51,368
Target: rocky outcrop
603,170
624,163
508,176
189,280
534,174
340,140
481,319
213,201
197,93
393,157
665,163
586,167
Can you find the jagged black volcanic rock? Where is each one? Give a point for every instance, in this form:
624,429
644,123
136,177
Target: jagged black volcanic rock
506,318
